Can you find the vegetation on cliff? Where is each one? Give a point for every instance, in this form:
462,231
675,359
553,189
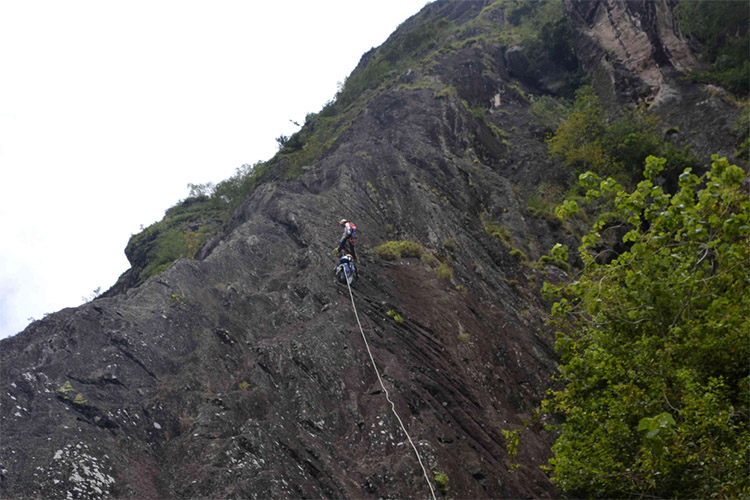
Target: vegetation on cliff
182,231
654,342
721,30
590,138
542,33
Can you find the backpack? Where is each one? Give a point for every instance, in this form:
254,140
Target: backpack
353,235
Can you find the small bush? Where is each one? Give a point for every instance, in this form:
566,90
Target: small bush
445,92
403,249
464,337
396,316
66,387
244,386
442,480
429,259
444,271
558,256
511,445
387,252
500,233
548,112
394,250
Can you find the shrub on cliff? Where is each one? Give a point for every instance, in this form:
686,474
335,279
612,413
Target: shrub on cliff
721,29
590,138
654,344
394,250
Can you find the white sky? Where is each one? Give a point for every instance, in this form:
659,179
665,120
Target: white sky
109,108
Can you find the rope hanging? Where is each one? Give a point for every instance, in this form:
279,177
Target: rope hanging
387,396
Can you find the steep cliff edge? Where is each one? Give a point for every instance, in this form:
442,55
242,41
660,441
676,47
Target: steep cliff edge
242,374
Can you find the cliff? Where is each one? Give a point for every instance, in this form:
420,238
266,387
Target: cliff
241,373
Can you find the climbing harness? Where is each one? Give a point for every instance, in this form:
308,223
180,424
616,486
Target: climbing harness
387,396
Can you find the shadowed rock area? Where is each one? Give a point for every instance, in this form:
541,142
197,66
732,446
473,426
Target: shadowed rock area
242,373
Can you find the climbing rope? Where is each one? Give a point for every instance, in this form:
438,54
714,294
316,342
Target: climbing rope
387,396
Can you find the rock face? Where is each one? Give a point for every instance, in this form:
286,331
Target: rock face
243,374
638,36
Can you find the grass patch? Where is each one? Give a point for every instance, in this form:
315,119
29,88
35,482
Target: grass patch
497,231
404,249
385,64
399,249
444,271
448,91
518,255
180,234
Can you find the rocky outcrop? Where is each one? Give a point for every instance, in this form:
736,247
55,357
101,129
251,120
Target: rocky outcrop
242,373
635,44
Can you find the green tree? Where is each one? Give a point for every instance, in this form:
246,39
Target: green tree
655,397
578,139
201,190
230,192
721,29
590,138
282,140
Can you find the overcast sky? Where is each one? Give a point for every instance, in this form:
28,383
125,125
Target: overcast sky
108,109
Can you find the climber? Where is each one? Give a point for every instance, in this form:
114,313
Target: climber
346,270
348,239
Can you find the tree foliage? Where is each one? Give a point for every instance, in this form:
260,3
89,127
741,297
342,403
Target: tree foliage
655,343
721,29
590,138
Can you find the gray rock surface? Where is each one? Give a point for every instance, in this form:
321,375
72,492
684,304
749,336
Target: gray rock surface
243,374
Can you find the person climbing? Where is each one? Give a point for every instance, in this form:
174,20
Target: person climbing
348,239
346,270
